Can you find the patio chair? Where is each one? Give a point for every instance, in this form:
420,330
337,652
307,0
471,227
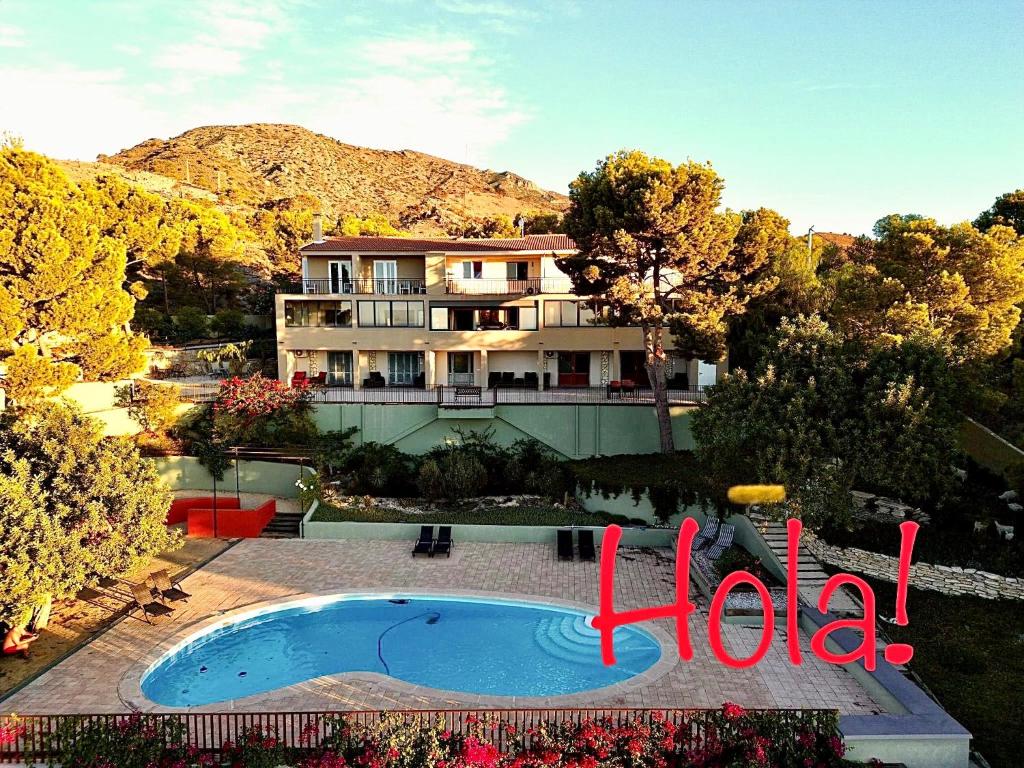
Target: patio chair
298,378
320,380
530,380
508,378
586,543
725,534
564,544
169,590
146,600
493,379
443,544
628,386
708,533
614,388
425,543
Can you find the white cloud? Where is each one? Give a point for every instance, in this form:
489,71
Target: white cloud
486,8
128,50
12,37
204,56
72,113
413,52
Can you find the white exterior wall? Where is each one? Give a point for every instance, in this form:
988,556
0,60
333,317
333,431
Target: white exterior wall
516,362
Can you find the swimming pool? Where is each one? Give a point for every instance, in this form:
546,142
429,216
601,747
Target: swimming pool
471,645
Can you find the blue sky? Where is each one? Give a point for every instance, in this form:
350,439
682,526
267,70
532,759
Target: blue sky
832,113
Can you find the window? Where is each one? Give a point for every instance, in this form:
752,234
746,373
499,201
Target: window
439,318
339,369
570,314
391,314
331,314
528,318
517,270
405,369
460,368
472,270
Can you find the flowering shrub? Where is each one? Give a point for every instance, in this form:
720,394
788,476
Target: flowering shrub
262,412
728,738
11,732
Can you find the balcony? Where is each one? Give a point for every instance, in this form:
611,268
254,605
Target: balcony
364,285
474,286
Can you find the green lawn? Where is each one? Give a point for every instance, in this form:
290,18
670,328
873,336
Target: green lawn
970,652
540,515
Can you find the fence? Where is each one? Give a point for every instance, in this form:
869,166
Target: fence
374,285
37,737
470,396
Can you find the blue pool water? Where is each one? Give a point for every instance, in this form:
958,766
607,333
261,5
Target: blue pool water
472,645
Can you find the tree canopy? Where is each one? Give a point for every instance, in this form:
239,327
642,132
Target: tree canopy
953,285
657,249
820,414
72,505
1006,211
64,309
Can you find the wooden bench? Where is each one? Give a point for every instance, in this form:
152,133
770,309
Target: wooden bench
467,394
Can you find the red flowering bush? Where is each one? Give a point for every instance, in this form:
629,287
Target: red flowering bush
262,412
731,737
10,732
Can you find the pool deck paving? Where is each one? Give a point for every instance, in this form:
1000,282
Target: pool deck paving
104,676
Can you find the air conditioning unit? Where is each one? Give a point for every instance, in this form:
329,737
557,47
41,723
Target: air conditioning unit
548,353
300,353
530,290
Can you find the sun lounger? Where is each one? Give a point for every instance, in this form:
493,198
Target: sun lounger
425,544
707,534
564,544
146,600
443,545
170,591
724,541
587,551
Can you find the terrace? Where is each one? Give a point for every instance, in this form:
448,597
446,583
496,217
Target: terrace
260,572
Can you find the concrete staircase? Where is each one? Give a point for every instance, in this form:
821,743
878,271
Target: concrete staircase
285,525
810,576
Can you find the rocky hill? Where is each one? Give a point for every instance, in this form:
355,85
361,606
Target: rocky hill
249,165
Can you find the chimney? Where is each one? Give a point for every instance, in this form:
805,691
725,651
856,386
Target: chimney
318,228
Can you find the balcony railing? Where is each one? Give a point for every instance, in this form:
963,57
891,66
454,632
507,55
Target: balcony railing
466,286
375,285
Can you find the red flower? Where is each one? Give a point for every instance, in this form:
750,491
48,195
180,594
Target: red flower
733,711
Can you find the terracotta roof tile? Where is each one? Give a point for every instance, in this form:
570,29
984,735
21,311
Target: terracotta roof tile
422,245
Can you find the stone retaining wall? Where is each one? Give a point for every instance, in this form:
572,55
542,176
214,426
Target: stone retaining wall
947,579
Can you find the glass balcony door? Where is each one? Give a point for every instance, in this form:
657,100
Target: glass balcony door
339,369
385,276
460,368
340,276
405,369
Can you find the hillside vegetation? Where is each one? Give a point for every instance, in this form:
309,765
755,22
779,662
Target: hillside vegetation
252,165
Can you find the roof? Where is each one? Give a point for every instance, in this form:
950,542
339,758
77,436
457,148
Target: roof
545,243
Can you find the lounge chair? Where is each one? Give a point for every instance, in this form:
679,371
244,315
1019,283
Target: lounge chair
587,545
443,544
725,534
530,380
493,379
628,386
425,544
564,544
320,380
508,378
146,600
708,533
169,590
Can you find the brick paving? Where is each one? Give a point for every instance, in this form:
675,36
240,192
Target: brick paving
104,676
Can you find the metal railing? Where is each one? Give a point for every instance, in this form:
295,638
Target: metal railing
38,737
397,286
206,392
494,286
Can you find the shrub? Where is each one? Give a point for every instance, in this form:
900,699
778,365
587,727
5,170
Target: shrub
462,476
153,406
228,323
133,741
429,481
154,323
377,469
191,323
262,412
